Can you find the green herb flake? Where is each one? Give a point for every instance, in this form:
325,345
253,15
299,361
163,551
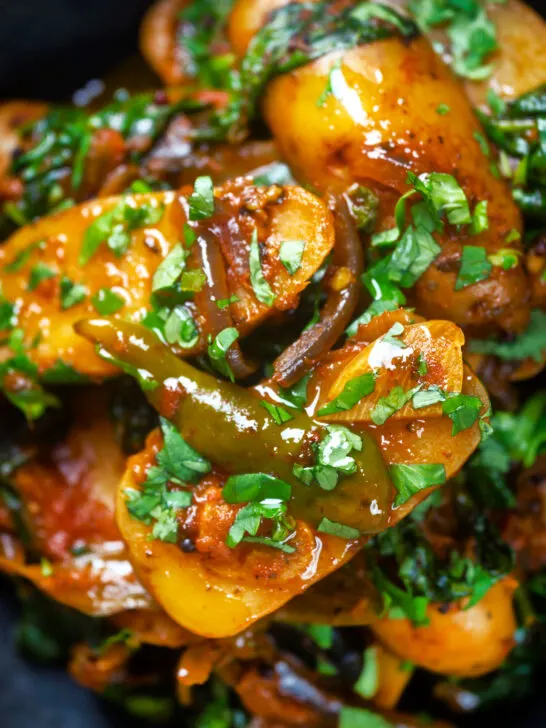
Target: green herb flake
353,391
201,200
411,479
262,289
367,683
155,504
170,268
218,348
255,487
290,255
40,272
387,406
337,529
279,414
71,293
475,267
422,366
224,303
443,109
463,410
362,718
106,302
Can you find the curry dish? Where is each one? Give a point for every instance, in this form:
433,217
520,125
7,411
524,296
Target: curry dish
272,336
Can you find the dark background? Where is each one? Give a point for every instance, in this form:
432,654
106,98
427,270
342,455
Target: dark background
49,48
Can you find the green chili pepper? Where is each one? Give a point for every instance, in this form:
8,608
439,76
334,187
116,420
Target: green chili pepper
228,425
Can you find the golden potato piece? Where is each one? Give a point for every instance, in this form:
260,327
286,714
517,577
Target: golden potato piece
42,258
459,642
223,594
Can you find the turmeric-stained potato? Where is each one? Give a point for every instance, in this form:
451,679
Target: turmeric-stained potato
405,434
224,590
460,642
108,256
374,133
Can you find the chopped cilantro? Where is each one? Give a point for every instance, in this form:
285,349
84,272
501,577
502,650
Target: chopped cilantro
170,268
480,219
332,87
290,254
363,204
279,414
180,328
249,519
201,200
114,226
193,280
367,683
40,272
177,463
333,458
422,366
463,410
411,479
106,302
392,403
218,348
362,718
505,258
337,529
391,337
71,293
443,109
353,391
260,286
223,303
475,266
255,487
22,257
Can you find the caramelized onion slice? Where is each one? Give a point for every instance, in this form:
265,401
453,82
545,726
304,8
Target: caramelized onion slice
336,313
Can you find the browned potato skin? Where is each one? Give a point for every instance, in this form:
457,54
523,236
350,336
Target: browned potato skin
463,643
289,213
388,132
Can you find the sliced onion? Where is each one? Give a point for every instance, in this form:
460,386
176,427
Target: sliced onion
336,313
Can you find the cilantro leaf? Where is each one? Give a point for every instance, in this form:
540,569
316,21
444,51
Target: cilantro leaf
279,414
337,529
255,487
170,268
178,459
106,302
217,350
201,200
463,410
40,272
411,479
475,266
290,255
71,293
353,391
387,406
262,289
